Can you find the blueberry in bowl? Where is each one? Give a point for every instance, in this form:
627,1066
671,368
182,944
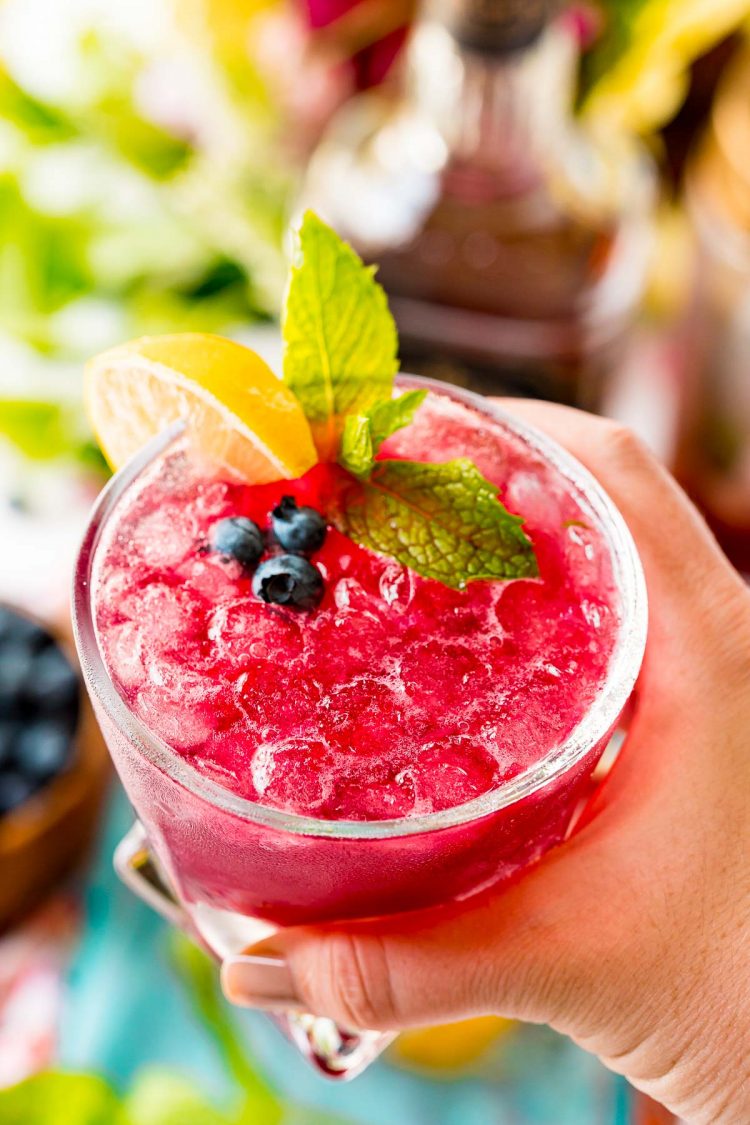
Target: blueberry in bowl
40,702
53,765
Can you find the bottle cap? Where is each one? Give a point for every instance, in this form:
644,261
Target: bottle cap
496,26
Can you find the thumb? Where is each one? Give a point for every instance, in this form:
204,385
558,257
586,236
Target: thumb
502,954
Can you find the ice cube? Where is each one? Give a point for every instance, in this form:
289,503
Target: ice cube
165,536
397,585
124,645
453,771
215,579
295,773
375,800
182,705
246,629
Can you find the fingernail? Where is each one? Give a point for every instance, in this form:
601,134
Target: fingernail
260,982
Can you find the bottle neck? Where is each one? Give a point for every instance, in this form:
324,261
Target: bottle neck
503,111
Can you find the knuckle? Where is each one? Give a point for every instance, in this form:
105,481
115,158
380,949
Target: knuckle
360,984
624,448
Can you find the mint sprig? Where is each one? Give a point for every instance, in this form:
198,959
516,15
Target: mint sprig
340,343
444,521
357,453
364,434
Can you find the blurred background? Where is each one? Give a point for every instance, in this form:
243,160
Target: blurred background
559,199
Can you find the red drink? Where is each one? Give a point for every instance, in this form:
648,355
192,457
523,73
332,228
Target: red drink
401,746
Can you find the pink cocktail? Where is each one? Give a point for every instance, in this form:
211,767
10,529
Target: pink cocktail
403,745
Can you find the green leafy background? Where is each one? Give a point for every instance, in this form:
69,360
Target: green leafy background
167,225
163,228
115,224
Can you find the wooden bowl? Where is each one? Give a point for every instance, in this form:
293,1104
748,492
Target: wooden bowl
43,840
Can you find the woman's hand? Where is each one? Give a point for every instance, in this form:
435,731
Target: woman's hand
634,936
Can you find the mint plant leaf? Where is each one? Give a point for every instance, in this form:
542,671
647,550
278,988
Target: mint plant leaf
340,357
444,521
159,1097
340,344
356,453
59,1098
198,973
363,434
388,417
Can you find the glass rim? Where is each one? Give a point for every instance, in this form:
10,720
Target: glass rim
600,718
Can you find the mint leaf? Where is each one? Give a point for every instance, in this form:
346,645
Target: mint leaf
357,453
340,357
340,345
388,417
363,434
443,521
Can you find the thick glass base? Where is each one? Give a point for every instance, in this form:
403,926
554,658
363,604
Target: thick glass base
333,1051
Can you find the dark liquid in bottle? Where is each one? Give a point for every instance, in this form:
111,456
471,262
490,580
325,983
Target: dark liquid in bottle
713,454
499,295
511,244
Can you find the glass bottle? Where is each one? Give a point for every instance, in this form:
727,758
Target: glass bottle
713,449
513,248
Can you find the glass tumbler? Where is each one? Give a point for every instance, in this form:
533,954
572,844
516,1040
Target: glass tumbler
229,871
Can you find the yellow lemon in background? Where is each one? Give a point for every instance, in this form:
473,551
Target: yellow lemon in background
450,1046
240,414
646,81
226,22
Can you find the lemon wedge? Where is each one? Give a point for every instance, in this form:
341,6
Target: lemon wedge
242,416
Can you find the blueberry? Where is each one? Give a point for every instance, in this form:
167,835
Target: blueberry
288,580
298,529
238,538
8,621
15,790
42,750
16,663
9,732
52,684
17,629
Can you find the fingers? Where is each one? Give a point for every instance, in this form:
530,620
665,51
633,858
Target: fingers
693,591
670,533
366,979
493,955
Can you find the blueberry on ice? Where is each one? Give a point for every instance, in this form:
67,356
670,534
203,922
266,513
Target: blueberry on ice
288,580
298,529
238,538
